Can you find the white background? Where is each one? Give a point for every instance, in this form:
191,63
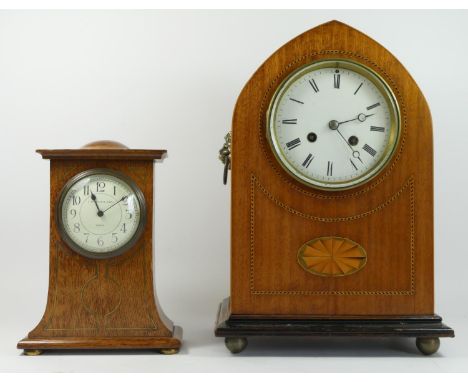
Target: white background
170,79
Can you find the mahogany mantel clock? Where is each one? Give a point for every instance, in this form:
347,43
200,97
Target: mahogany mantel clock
332,196
101,254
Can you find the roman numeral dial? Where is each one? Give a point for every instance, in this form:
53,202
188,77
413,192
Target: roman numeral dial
308,160
336,80
369,150
293,144
333,124
314,85
330,168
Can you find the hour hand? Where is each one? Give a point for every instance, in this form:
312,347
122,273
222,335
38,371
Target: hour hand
93,198
362,117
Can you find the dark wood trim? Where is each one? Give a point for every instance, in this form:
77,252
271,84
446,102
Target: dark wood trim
404,326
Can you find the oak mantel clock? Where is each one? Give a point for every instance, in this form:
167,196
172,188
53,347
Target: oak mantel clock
101,254
332,196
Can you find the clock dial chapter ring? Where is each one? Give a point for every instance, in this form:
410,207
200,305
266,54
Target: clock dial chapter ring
106,225
322,103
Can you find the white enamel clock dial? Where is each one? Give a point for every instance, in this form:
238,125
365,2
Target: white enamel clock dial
101,213
333,124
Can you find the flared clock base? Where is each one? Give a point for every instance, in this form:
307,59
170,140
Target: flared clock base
165,345
236,330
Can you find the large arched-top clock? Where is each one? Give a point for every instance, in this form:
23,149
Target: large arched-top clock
332,196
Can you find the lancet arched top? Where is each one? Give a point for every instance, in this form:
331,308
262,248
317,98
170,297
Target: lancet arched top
334,39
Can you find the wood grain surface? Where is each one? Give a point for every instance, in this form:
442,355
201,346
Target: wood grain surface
102,303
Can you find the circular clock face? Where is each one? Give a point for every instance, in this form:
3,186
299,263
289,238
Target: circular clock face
333,124
101,213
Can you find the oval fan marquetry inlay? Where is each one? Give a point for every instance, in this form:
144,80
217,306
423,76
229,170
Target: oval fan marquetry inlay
332,256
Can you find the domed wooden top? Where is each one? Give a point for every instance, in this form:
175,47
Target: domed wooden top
104,145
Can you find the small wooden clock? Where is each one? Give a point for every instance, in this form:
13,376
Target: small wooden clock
332,196
101,254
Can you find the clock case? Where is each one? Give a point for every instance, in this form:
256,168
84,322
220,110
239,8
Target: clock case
107,303
273,215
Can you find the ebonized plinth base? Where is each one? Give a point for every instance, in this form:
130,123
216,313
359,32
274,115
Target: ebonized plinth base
236,329
165,345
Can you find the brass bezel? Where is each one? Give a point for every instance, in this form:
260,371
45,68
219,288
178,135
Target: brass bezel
382,86
100,255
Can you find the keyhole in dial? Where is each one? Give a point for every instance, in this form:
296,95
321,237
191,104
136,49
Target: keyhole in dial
311,137
353,140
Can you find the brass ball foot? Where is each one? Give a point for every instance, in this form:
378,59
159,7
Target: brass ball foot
428,345
168,351
236,344
32,351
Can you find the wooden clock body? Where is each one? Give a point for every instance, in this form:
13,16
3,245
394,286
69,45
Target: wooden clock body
273,215
102,303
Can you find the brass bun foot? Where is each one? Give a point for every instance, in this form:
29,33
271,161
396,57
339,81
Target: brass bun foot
168,351
236,344
32,351
428,345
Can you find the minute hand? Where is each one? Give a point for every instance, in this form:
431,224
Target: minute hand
117,202
356,154
361,118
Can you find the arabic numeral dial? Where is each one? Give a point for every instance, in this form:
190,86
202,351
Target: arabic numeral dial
101,213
